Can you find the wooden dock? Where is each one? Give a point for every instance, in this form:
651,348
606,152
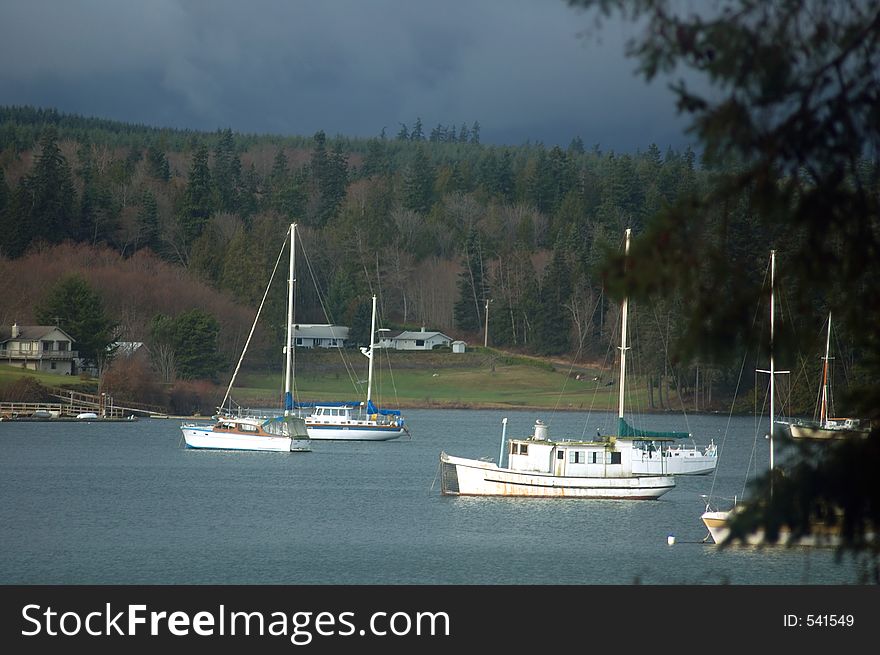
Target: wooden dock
72,404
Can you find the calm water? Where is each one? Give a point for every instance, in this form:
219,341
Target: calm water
126,503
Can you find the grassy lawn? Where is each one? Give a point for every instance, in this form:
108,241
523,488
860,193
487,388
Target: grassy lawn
445,380
11,373
484,379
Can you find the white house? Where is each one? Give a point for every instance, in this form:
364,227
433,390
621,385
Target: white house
319,336
458,346
421,340
45,348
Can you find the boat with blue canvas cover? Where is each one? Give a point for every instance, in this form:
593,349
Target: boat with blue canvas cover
356,421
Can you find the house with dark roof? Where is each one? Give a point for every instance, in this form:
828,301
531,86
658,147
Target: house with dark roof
45,348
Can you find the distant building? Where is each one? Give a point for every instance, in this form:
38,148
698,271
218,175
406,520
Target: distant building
45,348
421,340
459,346
319,336
126,348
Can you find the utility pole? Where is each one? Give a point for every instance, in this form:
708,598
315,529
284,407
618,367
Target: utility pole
486,328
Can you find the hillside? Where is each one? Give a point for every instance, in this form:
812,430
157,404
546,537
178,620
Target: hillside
449,233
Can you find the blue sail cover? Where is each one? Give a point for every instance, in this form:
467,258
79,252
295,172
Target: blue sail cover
372,409
353,403
624,429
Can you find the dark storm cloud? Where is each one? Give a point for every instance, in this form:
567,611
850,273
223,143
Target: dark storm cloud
519,67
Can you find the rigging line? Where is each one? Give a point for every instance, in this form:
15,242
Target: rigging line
664,339
580,348
388,361
564,385
739,379
349,369
609,356
568,376
802,376
256,318
753,459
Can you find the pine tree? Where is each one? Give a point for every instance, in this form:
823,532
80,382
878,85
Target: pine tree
198,204
226,175
552,322
473,287
50,192
79,311
193,337
157,163
418,183
148,222
417,134
475,133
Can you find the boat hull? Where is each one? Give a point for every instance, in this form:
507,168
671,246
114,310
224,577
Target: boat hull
817,433
684,465
354,432
207,438
823,536
469,477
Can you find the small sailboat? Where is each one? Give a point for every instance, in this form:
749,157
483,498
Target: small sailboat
356,421
718,522
284,432
828,427
538,466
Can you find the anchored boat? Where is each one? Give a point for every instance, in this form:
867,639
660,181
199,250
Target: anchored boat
574,468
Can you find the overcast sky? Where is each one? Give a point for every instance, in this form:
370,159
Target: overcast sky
527,70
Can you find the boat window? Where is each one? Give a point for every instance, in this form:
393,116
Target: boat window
523,449
615,458
560,454
247,428
595,457
576,457
514,449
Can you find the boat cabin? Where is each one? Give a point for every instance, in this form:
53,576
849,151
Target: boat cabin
252,425
606,457
347,415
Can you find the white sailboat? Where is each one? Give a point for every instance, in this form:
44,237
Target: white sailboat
828,427
246,431
539,466
717,522
361,421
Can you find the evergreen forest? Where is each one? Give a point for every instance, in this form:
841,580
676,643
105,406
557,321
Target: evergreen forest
177,232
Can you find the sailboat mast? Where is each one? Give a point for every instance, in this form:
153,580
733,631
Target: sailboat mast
288,375
772,337
370,354
623,348
623,316
823,411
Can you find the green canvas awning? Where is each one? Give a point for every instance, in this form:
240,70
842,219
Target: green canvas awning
624,429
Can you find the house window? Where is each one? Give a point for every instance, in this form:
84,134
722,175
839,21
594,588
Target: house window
52,364
420,343
62,346
47,345
299,341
